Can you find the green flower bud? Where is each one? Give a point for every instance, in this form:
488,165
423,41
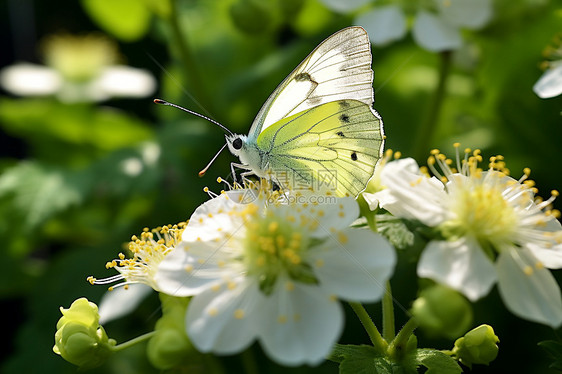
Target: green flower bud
170,346
478,346
80,339
442,312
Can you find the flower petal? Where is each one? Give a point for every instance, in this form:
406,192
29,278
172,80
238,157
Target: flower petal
528,291
354,267
214,218
328,214
461,265
383,24
29,79
121,301
299,324
550,83
472,14
222,320
410,194
434,34
125,81
187,272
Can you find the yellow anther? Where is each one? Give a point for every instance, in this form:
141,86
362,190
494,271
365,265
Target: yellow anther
273,226
397,155
213,312
554,193
238,314
528,270
188,268
282,319
342,238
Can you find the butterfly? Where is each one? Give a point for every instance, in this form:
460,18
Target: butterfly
318,129
318,126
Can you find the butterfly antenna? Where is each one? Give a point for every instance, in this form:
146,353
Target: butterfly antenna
164,102
202,172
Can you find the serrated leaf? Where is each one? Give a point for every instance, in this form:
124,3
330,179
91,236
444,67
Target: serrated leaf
37,192
127,20
437,362
395,231
553,349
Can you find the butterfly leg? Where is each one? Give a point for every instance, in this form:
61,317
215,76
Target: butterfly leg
233,166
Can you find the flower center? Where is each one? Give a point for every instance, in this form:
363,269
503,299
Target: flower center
482,211
275,245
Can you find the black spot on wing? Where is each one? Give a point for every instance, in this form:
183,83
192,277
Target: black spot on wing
301,77
340,133
344,118
344,104
354,156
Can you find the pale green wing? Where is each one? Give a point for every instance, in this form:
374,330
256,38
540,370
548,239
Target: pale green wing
338,142
338,68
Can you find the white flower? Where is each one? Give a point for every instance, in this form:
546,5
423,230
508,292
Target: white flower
550,83
435,28
137,272
274,273
489,229
79,69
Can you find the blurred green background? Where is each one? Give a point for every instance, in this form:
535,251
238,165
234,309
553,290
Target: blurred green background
78,178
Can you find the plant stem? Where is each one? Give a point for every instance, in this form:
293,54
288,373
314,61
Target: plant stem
388,331
398,345
378,342
427,128
249,362
134,341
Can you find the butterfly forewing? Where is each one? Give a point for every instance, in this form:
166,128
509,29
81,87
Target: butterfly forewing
336,145
338,69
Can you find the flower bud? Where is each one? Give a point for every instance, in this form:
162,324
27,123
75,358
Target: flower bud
442,312
80,339
170,345
478,346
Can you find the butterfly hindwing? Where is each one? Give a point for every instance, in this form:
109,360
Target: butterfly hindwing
338,69
336,145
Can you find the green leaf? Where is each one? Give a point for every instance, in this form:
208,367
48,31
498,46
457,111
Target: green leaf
437,362
127,20
37,191
363,359
554,349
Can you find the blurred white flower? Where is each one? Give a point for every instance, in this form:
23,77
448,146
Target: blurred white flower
550,83
78,69
436,26
490,229
273,273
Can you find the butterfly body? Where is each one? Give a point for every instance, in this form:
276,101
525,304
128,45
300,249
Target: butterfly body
318,127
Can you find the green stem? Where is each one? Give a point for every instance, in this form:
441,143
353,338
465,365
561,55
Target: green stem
189,65
388,331
134,341
399,344
378,342
249,362
427,128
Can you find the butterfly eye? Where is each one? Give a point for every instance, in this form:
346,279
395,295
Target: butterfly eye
237,143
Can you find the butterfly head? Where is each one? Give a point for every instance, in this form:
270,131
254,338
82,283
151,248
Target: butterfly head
236,143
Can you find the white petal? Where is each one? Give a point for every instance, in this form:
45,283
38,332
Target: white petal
223,321
527,291
344,6
383,24
119,302
125,81
472,14
213,219
29,79
329,215
461,265
550,83
357,268
189,272
434,34
549,257
299,324
410,194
